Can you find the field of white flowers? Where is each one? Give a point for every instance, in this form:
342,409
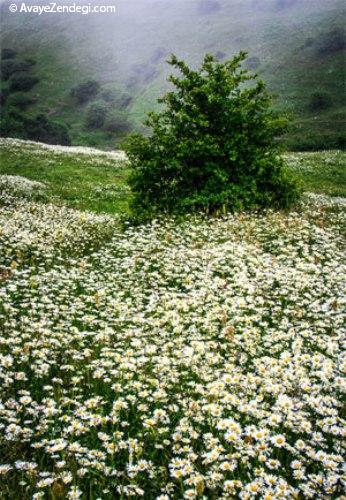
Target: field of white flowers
199,359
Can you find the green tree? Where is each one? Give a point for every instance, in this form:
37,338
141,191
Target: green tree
86,91
96,116
20,100
8,53
22,82
10,66
213,147
320,101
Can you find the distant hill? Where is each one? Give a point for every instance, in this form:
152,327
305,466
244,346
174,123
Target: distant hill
297,46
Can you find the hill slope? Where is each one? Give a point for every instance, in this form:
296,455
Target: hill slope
297,47
94,180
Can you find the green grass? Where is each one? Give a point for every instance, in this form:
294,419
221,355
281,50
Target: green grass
320,172
96,183
99,183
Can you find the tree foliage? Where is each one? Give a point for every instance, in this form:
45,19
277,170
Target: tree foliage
84,92
37,128
213,147
10,66
41,128
320,101
20,100
22,82
96,116
117,123
332,42
7,53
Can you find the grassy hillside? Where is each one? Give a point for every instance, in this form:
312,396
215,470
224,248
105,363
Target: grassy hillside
83,178
88,179
297,47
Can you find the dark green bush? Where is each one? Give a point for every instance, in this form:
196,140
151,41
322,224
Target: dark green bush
9,67
320,101
12,124
96,116
331,42
212,148
39,128
4,93
117,123
317,142
22,83
42,129
121,99
31,61
84,92
8,53
108,95
20,100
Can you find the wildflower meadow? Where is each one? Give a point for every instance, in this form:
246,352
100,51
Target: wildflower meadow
179,359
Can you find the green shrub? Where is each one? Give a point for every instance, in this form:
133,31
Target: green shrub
117,123
22,83
31,61
332,42
212,148
12,124
9,67
39,128
96,116
4,93
317,141
8,53
320,101
121,100
84,92
20,100
42,129
108,95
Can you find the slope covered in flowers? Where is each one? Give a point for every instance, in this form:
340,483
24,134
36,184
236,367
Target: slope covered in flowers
199,359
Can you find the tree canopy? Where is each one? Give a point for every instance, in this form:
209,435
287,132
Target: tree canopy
213,146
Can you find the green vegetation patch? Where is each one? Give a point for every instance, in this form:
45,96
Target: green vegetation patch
80,178
321,172
94,180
